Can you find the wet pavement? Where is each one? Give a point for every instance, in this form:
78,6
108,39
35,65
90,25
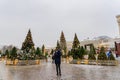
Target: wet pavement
46,71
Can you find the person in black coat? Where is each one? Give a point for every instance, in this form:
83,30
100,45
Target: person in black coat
57,58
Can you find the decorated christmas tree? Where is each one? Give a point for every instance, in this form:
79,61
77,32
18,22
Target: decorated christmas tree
38,52
92,53
75,48
81,52
28,44
76,42
58,45
102,55
63,44
7,53
13,53
43,49
111,57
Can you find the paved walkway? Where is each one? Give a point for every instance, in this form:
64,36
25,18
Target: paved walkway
46,71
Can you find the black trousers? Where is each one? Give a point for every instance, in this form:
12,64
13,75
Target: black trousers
58,69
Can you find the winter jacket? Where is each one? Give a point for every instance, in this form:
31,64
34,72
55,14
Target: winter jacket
57,57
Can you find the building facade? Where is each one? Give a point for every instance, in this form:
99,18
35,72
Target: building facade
118,20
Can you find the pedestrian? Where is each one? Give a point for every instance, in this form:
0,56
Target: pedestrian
57,58
109,53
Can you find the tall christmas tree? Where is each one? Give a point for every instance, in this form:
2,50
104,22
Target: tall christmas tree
63,44
28,44
75,48
58,45
92,53
43,49
76,42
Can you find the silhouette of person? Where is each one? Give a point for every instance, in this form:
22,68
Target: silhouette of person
57,58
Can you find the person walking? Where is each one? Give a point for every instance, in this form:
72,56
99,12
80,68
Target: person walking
57,58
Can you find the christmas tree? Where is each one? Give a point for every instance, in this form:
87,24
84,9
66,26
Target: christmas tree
92,53
7,53
81,52
111,57
38,52
102,55
14,53
58,45
63,44
91,57
76,42
43,49
92,49
28,44
75,51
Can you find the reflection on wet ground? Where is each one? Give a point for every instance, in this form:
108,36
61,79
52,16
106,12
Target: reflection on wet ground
46,71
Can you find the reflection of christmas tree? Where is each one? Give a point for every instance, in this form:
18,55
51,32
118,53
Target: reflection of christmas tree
28,44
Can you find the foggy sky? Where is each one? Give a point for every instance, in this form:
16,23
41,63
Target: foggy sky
47,18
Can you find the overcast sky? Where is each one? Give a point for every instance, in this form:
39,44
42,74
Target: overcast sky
47,18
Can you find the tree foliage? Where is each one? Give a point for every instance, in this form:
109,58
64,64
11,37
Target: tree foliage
92,50
78,53
38,52
7,53
43,48
28,44
63,44
92,53
102,55
91,57
13,53
76,42
111,57
58,45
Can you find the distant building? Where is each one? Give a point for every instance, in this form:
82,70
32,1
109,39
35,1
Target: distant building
6,48
69,45
47,51
117,42
100,41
